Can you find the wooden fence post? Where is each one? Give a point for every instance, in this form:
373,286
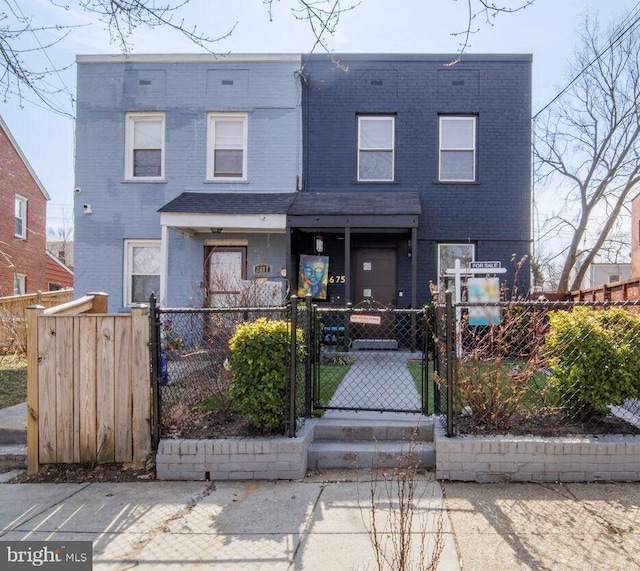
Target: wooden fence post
100,302
33,442
141,379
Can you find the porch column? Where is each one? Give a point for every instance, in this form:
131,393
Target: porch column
164,264
414,267
347,265
289,261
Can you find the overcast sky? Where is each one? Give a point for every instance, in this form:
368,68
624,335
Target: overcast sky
547,29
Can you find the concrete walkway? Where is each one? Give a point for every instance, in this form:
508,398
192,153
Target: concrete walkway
378,380
319,524
323,523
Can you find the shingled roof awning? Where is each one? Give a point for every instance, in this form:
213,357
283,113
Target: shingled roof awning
355,210
206,212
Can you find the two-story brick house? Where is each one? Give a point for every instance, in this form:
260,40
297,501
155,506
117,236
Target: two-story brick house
23,207
185,169
411,163
198,177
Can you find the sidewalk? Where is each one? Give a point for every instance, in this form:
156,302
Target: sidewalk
319,524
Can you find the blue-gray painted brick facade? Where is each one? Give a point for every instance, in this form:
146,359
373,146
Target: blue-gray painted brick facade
494,212
185,91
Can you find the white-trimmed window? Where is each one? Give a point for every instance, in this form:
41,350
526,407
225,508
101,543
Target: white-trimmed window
144,143
457,148
376,141
141,270
21,217
19,284
447,256
227,146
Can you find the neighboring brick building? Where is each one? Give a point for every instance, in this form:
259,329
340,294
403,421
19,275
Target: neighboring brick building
23,203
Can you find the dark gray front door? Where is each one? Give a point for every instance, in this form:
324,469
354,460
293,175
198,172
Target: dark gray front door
375,276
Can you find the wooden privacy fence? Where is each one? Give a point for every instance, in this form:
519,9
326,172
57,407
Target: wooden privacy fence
88,384
13,314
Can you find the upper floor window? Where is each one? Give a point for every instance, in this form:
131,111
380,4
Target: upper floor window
457,148
376,140
227,146
142,270
21,217
19,284
144,146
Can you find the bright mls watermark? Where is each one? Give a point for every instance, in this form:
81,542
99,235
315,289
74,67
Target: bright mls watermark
46,555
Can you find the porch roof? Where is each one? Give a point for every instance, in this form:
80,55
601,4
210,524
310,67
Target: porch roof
211,212
355,209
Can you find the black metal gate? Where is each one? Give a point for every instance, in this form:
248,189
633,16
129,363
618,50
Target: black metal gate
371,359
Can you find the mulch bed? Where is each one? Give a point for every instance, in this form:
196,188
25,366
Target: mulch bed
549,425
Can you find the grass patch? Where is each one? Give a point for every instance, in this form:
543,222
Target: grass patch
13,382
330,378
415,368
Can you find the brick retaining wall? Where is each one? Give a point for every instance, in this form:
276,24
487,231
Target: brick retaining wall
275,458
536,459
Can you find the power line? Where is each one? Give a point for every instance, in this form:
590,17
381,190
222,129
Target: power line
599,55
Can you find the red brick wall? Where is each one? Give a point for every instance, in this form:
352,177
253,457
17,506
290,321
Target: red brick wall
28,256
56,274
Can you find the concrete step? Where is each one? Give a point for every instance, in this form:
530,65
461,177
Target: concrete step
325,455
368,430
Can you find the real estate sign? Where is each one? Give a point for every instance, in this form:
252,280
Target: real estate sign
483,290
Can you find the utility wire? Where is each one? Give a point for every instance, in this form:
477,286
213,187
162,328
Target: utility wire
619,37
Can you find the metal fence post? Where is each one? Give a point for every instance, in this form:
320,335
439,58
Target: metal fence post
425,360
451,352
293,368
311,352
154,342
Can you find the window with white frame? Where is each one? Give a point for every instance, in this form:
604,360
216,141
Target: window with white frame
376,140
144,146
226,146
142,270
447,256
457,148
19,284
21,217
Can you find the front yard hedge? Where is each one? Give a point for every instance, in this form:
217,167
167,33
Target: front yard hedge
260,365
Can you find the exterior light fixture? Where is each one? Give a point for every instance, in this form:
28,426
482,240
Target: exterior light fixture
319,244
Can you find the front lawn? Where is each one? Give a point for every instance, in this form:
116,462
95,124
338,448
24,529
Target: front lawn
13,382
415,368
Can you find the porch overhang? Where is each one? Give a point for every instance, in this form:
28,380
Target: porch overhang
202,223
214,213
374,210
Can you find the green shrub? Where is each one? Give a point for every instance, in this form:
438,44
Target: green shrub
260,364
594,358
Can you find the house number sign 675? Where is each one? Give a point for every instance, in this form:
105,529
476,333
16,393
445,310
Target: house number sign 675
337,279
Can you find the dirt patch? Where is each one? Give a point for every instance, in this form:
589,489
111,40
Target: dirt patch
549,425
87,473
211,425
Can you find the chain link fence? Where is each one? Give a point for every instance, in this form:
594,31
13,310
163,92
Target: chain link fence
539,368
371,358
191,365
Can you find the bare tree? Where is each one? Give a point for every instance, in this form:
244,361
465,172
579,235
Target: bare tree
587,146
21,33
